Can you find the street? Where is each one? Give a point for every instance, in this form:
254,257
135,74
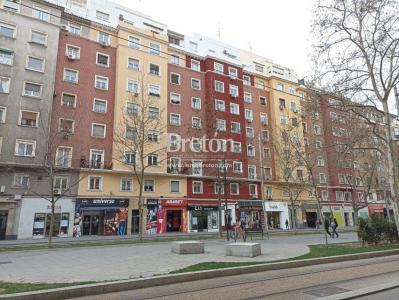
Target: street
300,283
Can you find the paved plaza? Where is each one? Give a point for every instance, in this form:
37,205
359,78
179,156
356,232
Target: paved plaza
138,260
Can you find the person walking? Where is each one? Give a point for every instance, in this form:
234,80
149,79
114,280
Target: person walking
334,225
286,224
240,230
327,226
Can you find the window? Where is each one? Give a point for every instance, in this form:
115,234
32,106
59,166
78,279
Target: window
322,178
155,48
174,141
72,52
63,157
3,111
218,188
196,123
133,86
133,64
154,69
249,132
324,195
318,145
133,42
233,89
130,132
236,147
103,38
174,59
196,103
281,103
154,90
35,64
237,167
102,16
71,75
153,113
195,65
75,29
175,78
152,159
197,187
32,89
247,97
6,57
21,180
175,186
283,120
149,185
98,130
253,189
263,119
234,188
130,158
280,86
267,173
25,148
7,30
66,125
218,67
291,90
339,196
234,109
96,158
259,68
175,98
197,167
40,13
61,183
101,82
219,86
293,106
195,145
100,106
262,100
220,125
249,115
320,161
28,118
174,119
265,135
193,46
4,85
219,105
153,135
252,172
251,150
102,60
266,153
11,5
68,100
126,184
246,79
235,127
317,130
269,191
195,84
232,72
95,183
132,109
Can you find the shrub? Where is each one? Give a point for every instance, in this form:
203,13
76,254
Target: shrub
374,229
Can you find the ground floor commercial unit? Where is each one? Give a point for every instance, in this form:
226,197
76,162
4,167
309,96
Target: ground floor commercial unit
8,218
277,214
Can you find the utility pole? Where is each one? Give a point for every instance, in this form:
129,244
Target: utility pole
225,198
266,226
220,205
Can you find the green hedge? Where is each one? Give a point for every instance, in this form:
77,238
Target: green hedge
376,229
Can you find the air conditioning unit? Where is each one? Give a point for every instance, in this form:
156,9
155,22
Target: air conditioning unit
254,196
65,27
71,56
249,120
57,192
104,43
2,189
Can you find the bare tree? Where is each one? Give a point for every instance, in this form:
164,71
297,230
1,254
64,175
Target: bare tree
357,56
139,140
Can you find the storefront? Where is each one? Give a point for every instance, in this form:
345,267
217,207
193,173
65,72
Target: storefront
203,217
277,214
334,212
251,211
364,212
100,216
349,216
376,209
172,216
152,216
35,216
310,215
7,214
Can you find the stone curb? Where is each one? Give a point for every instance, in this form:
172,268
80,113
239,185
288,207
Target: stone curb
363,292
131,284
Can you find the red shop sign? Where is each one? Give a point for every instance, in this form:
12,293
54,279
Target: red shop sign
376,208
174,202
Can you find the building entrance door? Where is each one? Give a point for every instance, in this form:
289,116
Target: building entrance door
135,221
3,224
173,219
90,225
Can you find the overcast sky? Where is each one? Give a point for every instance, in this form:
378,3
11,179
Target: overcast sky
276,29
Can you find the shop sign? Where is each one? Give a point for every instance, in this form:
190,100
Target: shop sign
274,206
152,202
250,203
376,208
174,202
202,208
102,202
57,207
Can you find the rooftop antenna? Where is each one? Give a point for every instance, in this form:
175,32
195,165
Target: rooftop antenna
218,31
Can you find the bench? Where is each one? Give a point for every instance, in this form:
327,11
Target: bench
243,249
188,247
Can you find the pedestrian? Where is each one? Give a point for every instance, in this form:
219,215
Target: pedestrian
240,230
286,224
327,226
334,226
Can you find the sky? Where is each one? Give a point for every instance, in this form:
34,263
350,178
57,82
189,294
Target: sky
276,29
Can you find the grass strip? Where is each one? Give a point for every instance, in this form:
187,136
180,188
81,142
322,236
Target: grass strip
11,287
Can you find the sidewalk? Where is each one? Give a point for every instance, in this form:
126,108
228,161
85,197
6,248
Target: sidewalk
136,260
112,238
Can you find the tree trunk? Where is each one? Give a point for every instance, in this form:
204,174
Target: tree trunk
393,180
50,238
141,222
